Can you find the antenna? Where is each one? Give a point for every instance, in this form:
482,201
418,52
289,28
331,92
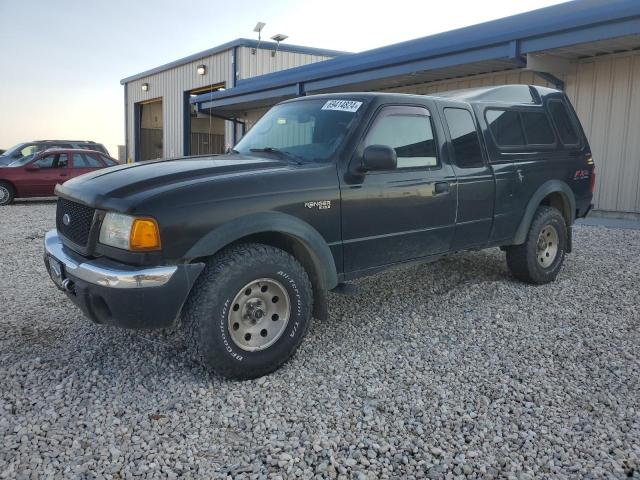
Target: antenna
258,29
278,38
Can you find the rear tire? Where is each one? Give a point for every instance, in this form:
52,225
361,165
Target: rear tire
249,311
7,194
539,259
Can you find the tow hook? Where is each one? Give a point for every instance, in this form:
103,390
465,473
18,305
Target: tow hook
68,286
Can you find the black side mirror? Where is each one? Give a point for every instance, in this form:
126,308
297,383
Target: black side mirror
379,157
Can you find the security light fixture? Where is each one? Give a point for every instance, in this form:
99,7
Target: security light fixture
145,87
202,69
278,38
258,28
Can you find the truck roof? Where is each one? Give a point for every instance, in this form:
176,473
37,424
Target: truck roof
508,94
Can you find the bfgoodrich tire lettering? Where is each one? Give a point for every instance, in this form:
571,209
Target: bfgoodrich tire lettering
206,316
547,236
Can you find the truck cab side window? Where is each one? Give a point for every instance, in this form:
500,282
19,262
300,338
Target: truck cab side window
464,138
408,131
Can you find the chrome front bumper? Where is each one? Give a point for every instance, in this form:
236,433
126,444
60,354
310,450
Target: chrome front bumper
105,272
113,293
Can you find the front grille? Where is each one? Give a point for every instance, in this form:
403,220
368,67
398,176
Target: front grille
80,218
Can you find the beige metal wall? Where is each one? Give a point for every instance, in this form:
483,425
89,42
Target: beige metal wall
170,85
262,62
605,92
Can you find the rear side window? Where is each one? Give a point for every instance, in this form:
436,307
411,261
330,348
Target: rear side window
108,162
83,160
537,128
562,120
505,127
464,138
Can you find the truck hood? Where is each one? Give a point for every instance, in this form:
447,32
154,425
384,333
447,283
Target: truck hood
107,187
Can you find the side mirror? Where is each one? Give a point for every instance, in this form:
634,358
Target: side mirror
32,167
379,157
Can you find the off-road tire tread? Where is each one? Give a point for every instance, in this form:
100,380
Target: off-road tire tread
520,260
235,257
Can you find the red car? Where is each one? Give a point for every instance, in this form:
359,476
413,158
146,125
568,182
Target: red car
37,175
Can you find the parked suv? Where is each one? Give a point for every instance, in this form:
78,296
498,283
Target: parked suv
323,189
28,149
37,175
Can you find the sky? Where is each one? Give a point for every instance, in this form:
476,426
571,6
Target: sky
61,61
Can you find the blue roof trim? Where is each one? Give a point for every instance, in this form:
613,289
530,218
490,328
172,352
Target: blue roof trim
286,91
568,23
238,42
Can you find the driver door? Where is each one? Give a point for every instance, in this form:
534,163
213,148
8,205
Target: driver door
51,170
401,214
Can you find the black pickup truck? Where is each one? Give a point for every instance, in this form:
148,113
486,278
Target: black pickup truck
244,247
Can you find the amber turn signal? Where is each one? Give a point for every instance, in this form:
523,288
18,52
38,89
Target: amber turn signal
145,235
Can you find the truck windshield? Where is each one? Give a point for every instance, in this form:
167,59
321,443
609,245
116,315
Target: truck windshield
307,130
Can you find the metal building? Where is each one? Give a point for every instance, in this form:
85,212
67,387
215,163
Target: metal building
590,48
160,122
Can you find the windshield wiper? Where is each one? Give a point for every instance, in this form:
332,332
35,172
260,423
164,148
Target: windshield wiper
277,151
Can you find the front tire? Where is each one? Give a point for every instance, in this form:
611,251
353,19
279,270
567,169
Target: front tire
7,194
249,311
539,259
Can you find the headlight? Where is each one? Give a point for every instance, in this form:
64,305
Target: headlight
130,233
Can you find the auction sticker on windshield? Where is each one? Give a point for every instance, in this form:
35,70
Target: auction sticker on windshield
342,105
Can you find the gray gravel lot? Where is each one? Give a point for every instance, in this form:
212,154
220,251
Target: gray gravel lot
445,370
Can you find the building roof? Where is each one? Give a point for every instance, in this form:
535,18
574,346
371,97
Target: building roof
574,29
238,42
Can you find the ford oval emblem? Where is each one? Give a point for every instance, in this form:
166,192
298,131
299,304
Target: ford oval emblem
66,219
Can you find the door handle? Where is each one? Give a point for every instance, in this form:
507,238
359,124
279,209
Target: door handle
440,188
64,174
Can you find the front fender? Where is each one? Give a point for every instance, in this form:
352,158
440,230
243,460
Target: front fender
277,222
545,189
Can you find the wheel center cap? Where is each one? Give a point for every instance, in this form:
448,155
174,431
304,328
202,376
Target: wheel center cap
542,244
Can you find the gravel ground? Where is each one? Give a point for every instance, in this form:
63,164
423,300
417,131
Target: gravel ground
445,370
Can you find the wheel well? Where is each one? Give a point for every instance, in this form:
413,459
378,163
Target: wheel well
558,201
296,248
10,184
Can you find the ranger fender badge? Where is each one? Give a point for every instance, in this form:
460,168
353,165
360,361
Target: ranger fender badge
319,204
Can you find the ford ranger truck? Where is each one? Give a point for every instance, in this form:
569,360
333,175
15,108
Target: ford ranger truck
241,249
